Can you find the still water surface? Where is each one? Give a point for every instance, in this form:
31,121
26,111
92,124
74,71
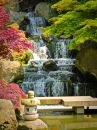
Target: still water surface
71,122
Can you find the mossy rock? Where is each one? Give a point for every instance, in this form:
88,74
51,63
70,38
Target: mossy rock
50,65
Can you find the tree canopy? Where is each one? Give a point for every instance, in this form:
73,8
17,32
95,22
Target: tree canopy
77,19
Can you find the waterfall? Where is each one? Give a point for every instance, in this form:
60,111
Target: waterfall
58,82
76,90
34,24
53,83
61,48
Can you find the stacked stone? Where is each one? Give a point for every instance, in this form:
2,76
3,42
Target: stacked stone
30,107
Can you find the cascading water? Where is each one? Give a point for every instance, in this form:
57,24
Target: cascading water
51,83
34,24
44,83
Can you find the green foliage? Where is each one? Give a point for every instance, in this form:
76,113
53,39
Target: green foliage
90,6
82,1
65,5
65,24
22,57
87,32
51,1
77,18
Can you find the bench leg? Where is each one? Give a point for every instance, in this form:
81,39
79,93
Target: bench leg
79,109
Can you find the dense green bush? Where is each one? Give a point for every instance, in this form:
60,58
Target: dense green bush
77,19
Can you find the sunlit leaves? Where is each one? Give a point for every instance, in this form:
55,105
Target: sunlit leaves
78,18
88,31
90,6
14,25
65,5
66,24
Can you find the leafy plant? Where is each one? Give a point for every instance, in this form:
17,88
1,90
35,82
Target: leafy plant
65,5
11,38
11,92
76,19
22,57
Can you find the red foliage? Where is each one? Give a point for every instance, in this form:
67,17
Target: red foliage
11,92
3,17
11,38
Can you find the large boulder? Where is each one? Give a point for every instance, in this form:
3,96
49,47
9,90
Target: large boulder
8,119
11,71
42,9
86,60
50,65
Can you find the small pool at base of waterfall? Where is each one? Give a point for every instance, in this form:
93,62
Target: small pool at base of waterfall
71,122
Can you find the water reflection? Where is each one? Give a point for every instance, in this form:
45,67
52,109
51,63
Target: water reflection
66,122
71,122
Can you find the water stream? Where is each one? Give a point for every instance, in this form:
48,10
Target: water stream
59,82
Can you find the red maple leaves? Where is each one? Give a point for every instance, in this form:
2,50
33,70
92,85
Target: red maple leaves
11,92
11,38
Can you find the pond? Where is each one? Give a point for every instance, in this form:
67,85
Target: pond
71,122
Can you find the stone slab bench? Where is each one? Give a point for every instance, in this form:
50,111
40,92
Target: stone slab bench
77,102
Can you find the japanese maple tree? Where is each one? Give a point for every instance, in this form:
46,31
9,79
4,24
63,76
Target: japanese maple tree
11,38
11,92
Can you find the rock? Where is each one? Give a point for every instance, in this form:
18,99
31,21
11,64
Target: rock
28,5
50,65
11,71
7,115
86,60
33,125
42,9
15,16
